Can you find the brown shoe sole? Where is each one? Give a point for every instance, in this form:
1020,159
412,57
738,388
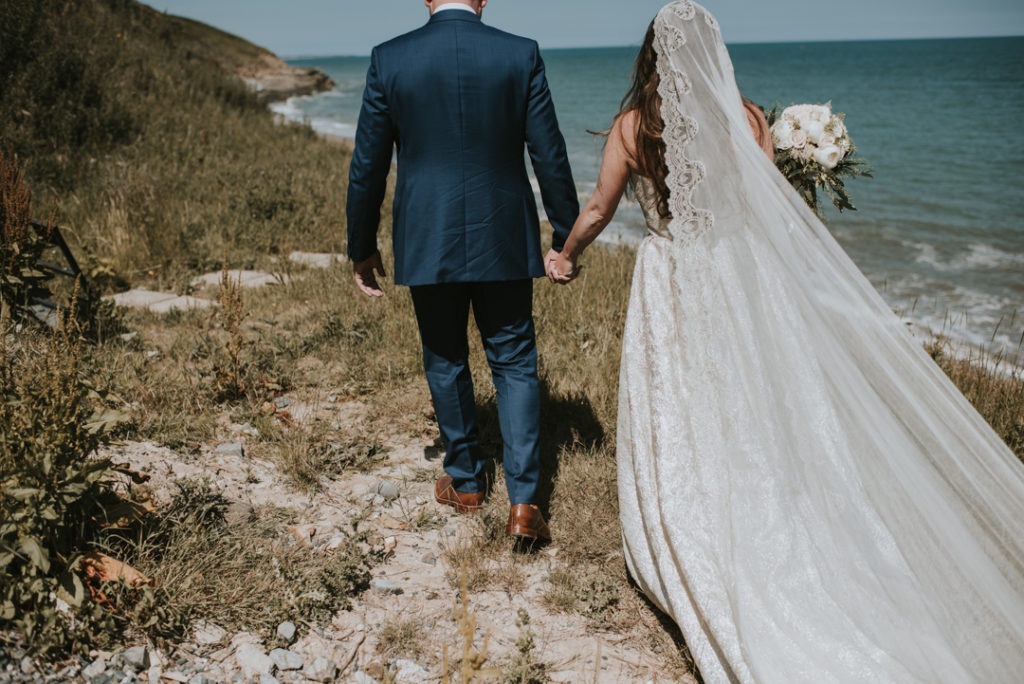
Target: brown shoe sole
527,534
444,498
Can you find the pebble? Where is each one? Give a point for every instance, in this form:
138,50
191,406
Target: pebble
384,587
230,449
201,679
389,490
286,630
429,559
408,672
286,660
362,678
282,402
207,633
129,337
253,661
320,670
377,500
268,679
27,666
247,429
137,658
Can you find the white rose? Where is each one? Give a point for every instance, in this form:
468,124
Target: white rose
822,113
828,156
803,153
796,113
836,127
814,130
827,139
782,134
799,139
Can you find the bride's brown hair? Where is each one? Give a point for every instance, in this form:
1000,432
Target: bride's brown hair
643,99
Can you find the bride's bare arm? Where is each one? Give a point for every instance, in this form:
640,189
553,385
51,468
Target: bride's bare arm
616,166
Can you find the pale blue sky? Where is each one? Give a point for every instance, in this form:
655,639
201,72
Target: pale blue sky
352,27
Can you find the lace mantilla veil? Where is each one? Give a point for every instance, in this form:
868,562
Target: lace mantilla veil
803,490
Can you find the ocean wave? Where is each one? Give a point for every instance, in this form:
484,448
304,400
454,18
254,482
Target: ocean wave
977,256
963,314
292,109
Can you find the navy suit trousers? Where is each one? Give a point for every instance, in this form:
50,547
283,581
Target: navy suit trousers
504,314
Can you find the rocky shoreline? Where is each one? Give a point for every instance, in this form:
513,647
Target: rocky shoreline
274,80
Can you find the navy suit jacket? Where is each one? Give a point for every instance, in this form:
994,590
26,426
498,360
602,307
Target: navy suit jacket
459,99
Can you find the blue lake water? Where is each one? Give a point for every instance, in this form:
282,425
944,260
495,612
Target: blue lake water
940,228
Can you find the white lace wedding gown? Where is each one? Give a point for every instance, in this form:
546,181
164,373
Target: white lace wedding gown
801,488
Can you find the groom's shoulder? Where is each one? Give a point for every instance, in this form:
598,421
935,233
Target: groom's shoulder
496,37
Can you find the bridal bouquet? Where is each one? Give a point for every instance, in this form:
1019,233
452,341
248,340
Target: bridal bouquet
813,150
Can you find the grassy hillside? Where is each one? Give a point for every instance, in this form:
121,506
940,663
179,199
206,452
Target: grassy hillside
158,161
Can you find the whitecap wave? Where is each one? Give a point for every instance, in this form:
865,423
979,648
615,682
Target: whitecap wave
977,256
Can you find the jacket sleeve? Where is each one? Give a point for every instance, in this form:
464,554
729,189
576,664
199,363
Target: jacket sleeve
547,153
371,162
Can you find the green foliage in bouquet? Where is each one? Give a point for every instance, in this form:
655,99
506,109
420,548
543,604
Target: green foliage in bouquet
806,172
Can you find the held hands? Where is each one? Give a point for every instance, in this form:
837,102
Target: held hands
560,268
366,278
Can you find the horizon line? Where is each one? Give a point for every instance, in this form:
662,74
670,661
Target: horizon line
738,42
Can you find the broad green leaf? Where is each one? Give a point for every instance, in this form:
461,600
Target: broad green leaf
31,547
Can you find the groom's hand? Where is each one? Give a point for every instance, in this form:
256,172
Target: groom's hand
366,278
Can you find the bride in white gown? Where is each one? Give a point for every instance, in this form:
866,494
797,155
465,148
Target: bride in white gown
801,488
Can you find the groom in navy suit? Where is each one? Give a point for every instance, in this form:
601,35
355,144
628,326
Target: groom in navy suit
459,100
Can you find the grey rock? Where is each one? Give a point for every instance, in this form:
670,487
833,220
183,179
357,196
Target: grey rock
286,630
27,666
268,679
389,490
384,587
137,658
286,660
362,678
429,559
231,449
408,672
253,661
320,670
104,678
95,668
129,337
207,633
377,500
282,402
201,679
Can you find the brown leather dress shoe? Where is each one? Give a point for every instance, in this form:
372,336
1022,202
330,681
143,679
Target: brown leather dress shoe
462,502
525,521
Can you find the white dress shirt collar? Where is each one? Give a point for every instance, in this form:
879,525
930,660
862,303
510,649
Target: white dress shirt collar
453,6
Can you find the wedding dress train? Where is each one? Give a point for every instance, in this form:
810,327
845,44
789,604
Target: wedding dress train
801,488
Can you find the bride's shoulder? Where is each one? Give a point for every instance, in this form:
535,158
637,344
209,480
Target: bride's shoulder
624,132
